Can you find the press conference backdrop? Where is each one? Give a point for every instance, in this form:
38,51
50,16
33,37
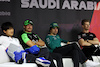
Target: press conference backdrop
67,13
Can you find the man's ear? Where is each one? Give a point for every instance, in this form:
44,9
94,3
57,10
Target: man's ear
24,26
82,26
4,31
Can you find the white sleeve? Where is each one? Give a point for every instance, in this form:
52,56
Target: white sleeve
19,43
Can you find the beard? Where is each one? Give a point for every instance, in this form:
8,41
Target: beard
29,30
86,29
54,33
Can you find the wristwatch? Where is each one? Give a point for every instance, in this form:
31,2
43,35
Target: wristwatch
87,41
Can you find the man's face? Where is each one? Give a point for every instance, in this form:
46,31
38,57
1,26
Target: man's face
54,31
28,28
9,32
86,26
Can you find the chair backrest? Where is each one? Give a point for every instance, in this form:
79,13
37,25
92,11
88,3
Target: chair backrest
3,55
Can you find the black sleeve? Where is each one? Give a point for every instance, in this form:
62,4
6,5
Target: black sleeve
79,36
94,36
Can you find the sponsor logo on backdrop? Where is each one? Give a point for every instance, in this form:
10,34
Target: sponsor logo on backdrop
55,4
4,0
5,13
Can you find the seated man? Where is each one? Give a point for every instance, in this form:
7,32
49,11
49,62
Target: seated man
29,39
88,40
53,42
15,50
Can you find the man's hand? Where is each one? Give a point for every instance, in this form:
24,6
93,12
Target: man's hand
40,43
83,42
68,43
95,41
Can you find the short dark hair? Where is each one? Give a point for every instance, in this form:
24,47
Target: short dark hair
50,29
84,20
6,25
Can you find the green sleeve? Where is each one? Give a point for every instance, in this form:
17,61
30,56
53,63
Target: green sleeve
50,44
62,40
38,36
25,38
